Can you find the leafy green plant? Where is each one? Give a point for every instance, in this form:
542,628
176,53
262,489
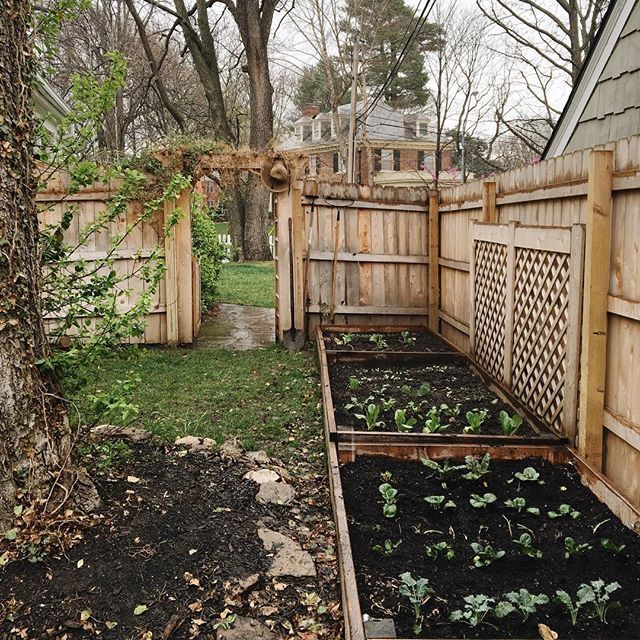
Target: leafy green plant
441,470
387,548
509,424
525,544
225,623
354,383
528,474
344,339
437,549
475,420
389,493
477,608
572,548
526,603
109,453
407,339
424,390
564,511
520,505
610,545
598,595
114,405
439,502
370,417
476,467
387,403
481,501
417,592
402,422
485,554
379,340
432,423
573,608
386,476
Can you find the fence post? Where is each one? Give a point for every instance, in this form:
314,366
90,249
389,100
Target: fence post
594,307
489,212
184,274
171,276
434,260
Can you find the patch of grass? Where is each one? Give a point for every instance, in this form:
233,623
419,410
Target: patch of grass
251,283
222,228
268,398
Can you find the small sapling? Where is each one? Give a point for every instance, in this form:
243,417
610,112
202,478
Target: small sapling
610,545
404,424
476,467
477,608
439,502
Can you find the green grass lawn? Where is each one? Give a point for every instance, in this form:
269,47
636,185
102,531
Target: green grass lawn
251,283
268,398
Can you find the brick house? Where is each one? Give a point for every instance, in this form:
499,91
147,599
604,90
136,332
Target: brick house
209,189
392,148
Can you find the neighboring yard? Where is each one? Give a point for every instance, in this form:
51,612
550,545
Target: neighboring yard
251,283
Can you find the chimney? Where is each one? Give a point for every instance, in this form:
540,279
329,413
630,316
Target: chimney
310,111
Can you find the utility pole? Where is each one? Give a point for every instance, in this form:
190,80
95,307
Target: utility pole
351,149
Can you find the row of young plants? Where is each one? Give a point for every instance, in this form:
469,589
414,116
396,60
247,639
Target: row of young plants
378,339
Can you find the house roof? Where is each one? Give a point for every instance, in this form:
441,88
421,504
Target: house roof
47,101
601,51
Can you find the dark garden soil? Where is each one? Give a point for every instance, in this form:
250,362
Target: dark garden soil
418,525
413,341
403,384
176,533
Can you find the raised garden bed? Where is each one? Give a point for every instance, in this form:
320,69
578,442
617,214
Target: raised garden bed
371,578
389,339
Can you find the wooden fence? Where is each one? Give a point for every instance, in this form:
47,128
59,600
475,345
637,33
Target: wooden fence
174,316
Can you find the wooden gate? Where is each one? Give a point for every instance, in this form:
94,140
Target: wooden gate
525,322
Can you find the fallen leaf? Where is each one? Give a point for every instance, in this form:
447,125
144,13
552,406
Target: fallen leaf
195,606
12,534
4,558
85,614
280,586
80,563
546,633
110,624
140,609
133,479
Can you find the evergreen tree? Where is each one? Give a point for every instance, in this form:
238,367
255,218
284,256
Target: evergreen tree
312,87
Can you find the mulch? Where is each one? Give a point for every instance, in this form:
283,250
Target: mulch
175,541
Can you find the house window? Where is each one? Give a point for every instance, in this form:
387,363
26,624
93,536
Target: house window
386,159
426,161
422,128
299,133
396,159
377,160
313,165
420,160
316,131
338,163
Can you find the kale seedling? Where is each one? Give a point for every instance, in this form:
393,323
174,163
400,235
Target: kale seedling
379,341
481,501
610,545
477,467
407,339
526,603
475,419
417,592
439,502
510,424
564,510
572,548
525,544
573,608
519,504
387,548
402,423
440,470
485,555
371,417
598,595
434,551
389,493
477,608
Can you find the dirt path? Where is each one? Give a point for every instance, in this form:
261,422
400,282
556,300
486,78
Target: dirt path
239,327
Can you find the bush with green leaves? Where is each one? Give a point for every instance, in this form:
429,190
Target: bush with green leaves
526,603
389,494
485,554
417,591
478,607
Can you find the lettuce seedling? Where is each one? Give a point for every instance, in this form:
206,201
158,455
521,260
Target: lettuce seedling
387,404
432,423
528,474
344,339
525,544
379,341
407,339
424,390
485,555
477,467
371,416
481,501
389,493
564,510
354,383
572,548
417,592
598,595
475,419
387,548
402,423
451,412
434,551
477,608
526,603
439,502
519,504
509,424
610,545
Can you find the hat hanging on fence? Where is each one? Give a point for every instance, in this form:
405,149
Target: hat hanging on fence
275,174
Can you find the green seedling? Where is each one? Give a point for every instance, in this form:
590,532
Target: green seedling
526,603
438,549
379,341
475,419
610,545
370,417
407,339
477,608
525,544
509,424
424,390
354,383
439,502
572,548
389,493
356,404
402,422
417,592
476,467
520,505
387,404
528,474
345,339
564,511
485,554
598,595
451,412
405,389
432,423
387,548
440,470
481,501
386,476
573,608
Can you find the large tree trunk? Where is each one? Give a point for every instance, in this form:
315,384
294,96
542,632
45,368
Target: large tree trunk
35,439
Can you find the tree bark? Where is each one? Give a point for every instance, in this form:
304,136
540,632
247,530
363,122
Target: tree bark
35,439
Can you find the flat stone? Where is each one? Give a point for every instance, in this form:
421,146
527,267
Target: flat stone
290,559
235,588
232,449
195,444
384,628
276,493
258,457
131,434
261,476
246,629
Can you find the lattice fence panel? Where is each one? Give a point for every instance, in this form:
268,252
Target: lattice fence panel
540,331
490,306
